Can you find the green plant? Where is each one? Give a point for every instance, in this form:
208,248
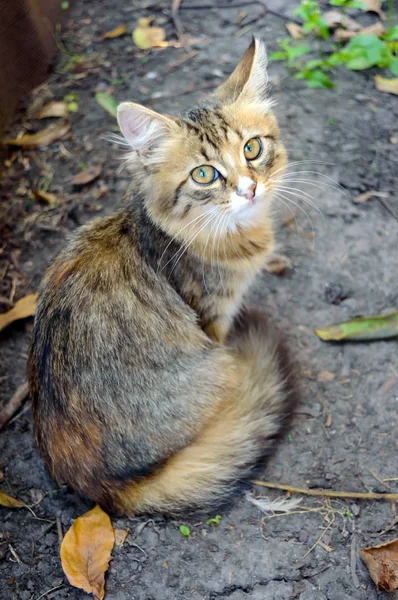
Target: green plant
214,520
185,530
364,51
346,4
310,13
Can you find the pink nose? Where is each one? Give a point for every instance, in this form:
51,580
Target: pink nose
248,192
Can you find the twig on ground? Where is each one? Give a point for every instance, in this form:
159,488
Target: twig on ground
188,90
59,530
175,7
393,523
380,480
387,207
326,493
176,64
13,404
320,538
239,5
353,561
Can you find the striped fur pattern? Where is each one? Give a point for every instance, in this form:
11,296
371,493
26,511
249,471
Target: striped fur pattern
150,392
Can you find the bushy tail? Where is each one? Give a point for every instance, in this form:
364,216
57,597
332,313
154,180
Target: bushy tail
241,433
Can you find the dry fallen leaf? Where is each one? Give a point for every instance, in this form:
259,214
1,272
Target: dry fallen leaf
25,307
145,36
45,137
114,33
390,86
86,551
333,18
277,264
121,536
53,109
373,6
87,176
10,502
325,376
50,199
376,29
295,31
382,563
367,195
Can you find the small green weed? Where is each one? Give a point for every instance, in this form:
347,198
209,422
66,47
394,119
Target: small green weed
185,530
364,51
214,520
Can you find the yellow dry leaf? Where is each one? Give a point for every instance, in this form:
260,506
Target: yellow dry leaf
382,563
86,551
45,137
10,502
121,536
114,33
145,36
295,31
46,197
53,109
87,176
325,376
390,86
25,307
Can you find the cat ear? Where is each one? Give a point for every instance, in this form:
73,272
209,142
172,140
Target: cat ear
143,128
250,78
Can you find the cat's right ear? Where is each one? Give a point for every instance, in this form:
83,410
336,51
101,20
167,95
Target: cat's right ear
144,129
249,79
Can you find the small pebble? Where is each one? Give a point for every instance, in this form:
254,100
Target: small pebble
334,293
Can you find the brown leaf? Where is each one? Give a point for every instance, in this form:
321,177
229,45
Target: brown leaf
45,137
277,264
25,307
114,33
53,109
86,551
145,36
373,6
325,376
295,31
382,563
121,536
367,195
376,29
333,18
87,176
390,86
46,197
10,502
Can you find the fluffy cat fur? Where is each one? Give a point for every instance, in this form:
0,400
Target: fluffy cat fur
150,392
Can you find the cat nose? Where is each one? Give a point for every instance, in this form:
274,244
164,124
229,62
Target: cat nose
247,191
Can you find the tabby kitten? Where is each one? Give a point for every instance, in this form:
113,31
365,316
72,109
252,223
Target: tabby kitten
149,393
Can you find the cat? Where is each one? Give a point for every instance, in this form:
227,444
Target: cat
153,389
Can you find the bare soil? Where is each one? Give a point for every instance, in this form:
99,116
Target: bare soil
344,434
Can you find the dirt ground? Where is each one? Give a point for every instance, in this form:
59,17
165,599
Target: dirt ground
344,434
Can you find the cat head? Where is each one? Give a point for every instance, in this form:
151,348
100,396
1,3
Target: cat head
213,167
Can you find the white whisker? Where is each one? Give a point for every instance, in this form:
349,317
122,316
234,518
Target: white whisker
182,229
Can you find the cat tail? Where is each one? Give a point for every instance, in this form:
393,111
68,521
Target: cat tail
241,433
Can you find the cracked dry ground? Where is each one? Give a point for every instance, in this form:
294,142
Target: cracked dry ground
344,435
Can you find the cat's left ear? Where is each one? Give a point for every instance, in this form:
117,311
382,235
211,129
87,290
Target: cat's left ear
249,79
144,129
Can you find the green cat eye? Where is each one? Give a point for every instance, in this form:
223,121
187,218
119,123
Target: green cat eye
204,174
252,149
